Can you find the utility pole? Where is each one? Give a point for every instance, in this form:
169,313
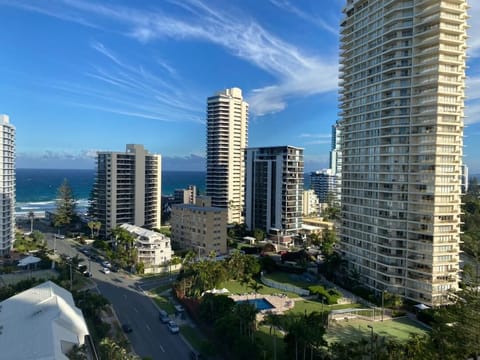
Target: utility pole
371,341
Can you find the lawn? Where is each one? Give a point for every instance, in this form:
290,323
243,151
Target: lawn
161,300
267,340
236,288
313,305
197,340
352,330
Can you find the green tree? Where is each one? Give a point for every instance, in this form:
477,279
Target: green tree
259,234
38,236
274,321
255,286
31,216
65,211
91,226
328,240
213,307
111,350
456,329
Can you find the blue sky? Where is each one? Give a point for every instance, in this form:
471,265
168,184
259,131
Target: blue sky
82,76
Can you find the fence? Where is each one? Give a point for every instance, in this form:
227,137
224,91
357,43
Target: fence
285,287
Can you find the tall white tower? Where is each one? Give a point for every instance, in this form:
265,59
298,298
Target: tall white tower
227,138
7,183
402,102
128,188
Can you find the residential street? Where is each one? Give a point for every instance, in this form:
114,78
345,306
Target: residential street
149,338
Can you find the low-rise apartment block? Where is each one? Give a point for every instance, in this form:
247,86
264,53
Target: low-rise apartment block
154,250
200,227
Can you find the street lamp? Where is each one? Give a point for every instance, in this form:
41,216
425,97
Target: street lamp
371,341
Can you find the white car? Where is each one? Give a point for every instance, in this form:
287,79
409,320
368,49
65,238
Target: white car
106,264
105,270
173,327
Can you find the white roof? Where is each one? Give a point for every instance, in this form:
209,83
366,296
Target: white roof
144,234
39,323
29,260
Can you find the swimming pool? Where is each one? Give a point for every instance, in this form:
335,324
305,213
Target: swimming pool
260,304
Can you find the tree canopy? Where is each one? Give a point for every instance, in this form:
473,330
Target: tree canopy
65,211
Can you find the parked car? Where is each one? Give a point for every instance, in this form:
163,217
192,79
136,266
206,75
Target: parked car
105,270
163,316
106,264
87,274
173,327
127,328
58,236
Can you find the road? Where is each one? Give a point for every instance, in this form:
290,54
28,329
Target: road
149,338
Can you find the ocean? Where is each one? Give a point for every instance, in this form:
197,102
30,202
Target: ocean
36,189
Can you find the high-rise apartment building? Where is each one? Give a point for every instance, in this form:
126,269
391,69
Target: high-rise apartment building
128,188
185,196
310,203
335,151
402,102
274,189
324,182
227,137
7,183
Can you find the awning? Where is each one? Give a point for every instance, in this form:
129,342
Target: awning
421,306
29,260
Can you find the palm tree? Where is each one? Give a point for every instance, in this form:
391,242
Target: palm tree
274,321
31,216
255,286
91,226
97,225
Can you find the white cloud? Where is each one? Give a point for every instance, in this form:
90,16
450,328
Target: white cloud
305,135
313,19
297,73
474,30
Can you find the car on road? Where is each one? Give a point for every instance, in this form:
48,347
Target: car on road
173,327
105,270
87,274
106,264
58,236
127,328
163,316
82,267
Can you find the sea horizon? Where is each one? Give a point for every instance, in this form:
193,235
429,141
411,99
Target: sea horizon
36,189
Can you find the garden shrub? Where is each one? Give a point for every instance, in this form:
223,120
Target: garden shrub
331,296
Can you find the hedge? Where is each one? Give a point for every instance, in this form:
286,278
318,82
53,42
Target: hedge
330,295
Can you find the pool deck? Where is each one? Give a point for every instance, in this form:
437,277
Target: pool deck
280,303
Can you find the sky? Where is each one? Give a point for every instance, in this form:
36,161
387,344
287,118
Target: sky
80,76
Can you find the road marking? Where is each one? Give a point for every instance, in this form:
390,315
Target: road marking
161,348
148,327
135,309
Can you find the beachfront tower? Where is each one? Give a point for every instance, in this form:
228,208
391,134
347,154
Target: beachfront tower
402,75
227,137
7,181
274,189
128,189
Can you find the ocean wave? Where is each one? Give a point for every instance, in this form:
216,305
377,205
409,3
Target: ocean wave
47,205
